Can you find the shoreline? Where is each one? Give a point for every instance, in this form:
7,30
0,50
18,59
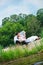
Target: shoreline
28,59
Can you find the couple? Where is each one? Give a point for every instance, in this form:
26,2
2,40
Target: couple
21,38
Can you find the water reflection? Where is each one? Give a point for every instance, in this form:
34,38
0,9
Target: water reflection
39,63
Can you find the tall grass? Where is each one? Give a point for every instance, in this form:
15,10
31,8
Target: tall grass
18,52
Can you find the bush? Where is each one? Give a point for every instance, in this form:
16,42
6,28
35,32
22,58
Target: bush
8,31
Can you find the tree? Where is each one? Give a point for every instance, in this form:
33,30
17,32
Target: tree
8,31
16,23
40,16
13,18
18,18
6,19
32,25
22,19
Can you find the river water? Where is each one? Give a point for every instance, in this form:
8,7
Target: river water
39,63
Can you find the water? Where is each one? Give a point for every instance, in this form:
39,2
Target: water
39,63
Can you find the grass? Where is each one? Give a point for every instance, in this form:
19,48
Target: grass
19,51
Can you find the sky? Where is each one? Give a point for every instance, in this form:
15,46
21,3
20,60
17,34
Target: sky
10,7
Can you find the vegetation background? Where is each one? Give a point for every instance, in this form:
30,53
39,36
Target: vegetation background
32,24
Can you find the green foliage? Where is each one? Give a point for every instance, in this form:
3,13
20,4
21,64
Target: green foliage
6,19
8,31
8,55
14,18
40,16
32,25
15,23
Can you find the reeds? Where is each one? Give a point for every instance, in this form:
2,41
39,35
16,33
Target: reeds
19,51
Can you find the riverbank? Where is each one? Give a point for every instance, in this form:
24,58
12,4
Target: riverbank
16,52
30,60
